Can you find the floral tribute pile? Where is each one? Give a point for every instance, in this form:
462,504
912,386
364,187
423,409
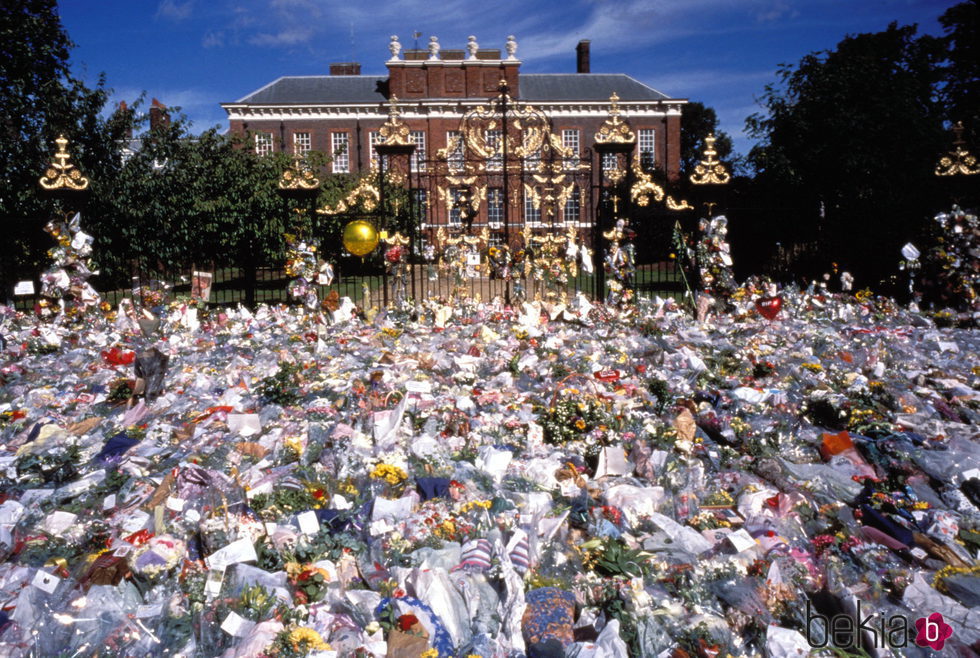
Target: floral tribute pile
479,480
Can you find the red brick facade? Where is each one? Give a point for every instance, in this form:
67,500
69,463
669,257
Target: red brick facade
434,94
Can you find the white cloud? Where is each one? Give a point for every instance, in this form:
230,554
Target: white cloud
291,36
213,39
680,82
174,10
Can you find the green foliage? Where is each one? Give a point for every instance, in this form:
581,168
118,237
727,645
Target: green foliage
40,99
120,390
848,139
281,388
696,122
283,501
571,419
186,201
960,91
660,390
56,466
614,558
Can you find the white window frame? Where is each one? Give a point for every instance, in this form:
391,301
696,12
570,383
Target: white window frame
264,143
495,205
340,148
374,138
646,142
532,215
302,143
454,159
495,162
573,202
420,198
570,139
417,137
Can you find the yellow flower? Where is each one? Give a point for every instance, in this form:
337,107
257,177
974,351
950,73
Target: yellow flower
473,504
580,424
429,653
308,639
391,474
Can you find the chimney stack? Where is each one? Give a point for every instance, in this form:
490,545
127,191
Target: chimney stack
123,111
345,68
158,115
582,56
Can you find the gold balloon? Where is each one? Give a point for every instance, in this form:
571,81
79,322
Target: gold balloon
360,237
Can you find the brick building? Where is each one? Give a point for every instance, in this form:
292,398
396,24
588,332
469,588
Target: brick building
342,113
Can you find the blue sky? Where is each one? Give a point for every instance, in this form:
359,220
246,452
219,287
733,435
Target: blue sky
196,54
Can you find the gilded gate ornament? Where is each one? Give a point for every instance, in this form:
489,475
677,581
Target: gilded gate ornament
959,161
365,193
614,130
644,188
298,177
393,132
62,174
710,171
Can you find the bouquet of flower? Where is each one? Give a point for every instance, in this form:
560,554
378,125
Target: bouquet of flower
395,254
296,642
309,581
577,418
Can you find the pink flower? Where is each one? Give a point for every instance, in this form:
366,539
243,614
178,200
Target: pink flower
933,631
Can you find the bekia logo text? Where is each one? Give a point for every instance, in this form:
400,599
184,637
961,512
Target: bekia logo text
844,631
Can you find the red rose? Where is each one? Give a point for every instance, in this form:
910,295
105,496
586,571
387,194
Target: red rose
394,255
405,622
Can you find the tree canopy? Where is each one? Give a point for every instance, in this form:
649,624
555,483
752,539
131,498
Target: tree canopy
42,99
848,140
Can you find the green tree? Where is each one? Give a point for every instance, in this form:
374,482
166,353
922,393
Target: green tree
848,141
184,201
960,89
40,99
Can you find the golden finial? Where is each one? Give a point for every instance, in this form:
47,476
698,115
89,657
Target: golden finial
394,132
298,177
614,130
959,161
710,171
62,174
